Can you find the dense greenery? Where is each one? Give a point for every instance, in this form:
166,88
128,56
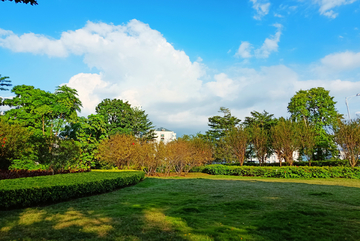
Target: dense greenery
317,107
284,172
23,192
199,207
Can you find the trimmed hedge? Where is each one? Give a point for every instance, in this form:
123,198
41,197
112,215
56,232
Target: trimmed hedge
284,172
11,174
24,192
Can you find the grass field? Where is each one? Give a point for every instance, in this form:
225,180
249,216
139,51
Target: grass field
199,207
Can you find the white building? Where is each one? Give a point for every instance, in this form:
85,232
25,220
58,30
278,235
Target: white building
165,135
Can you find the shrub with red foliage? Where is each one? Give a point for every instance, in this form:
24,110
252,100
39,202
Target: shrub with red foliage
11,174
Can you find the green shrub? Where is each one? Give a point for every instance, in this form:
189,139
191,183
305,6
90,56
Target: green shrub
24,192
284,172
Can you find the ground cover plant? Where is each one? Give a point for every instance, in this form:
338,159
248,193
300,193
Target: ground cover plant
24,192
199,207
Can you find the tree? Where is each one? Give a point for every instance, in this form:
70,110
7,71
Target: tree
88,132
4,81
238,139
142,127
265,122
259,141
32,2
14,143
317,107
117,116
347,136
285,139
219,125
118,150
307,142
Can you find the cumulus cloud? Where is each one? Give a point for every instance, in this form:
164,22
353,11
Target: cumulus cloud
338,62
261,7
326,6
136,63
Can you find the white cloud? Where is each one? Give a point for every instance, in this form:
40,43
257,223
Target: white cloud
278,15
261,7
338,62
270,44
244,50
326,6
136,63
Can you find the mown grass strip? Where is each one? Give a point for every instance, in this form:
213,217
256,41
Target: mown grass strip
284,172
24,192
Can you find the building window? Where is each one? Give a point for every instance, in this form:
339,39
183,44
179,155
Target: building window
162,135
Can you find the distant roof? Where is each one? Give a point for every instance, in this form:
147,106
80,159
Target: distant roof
162,129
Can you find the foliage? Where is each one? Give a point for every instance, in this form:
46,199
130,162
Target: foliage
317,107
237,139
347,136
32,2
26,172
4,81
88,132
25,192
285,172
120,117
150,156
259,125
259,141
118,150
307,141
14,143
219,125
285,139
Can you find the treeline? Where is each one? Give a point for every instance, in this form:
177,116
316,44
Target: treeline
43,130
178,156
314,131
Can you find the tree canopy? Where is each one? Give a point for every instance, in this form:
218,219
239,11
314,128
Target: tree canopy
32,2
317,107
4,81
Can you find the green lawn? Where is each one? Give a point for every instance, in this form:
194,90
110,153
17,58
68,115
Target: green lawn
199,207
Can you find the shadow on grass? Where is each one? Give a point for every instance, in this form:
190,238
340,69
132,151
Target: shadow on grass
195,209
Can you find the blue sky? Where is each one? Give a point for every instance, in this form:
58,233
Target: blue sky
183,60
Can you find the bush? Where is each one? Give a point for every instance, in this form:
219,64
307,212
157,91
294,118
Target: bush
24,192
19,173
285,172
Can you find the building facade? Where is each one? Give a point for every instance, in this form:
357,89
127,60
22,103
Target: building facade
164,135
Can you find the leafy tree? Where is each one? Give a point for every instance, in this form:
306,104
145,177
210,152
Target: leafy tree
117,115
317,107
219,125
14,143
238,139
142,127
347,136
88,132
32,2
264,121
285,139
4,81
259,140
307,134
118,150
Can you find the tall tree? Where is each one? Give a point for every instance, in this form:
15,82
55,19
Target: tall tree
238,139
265,121
142,127
317,107
32,2
117,115
347,136
4,81
285,139
219,125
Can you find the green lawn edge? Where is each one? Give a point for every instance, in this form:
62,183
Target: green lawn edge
62,187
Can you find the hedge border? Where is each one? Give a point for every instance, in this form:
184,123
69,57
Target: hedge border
31,196
284,172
